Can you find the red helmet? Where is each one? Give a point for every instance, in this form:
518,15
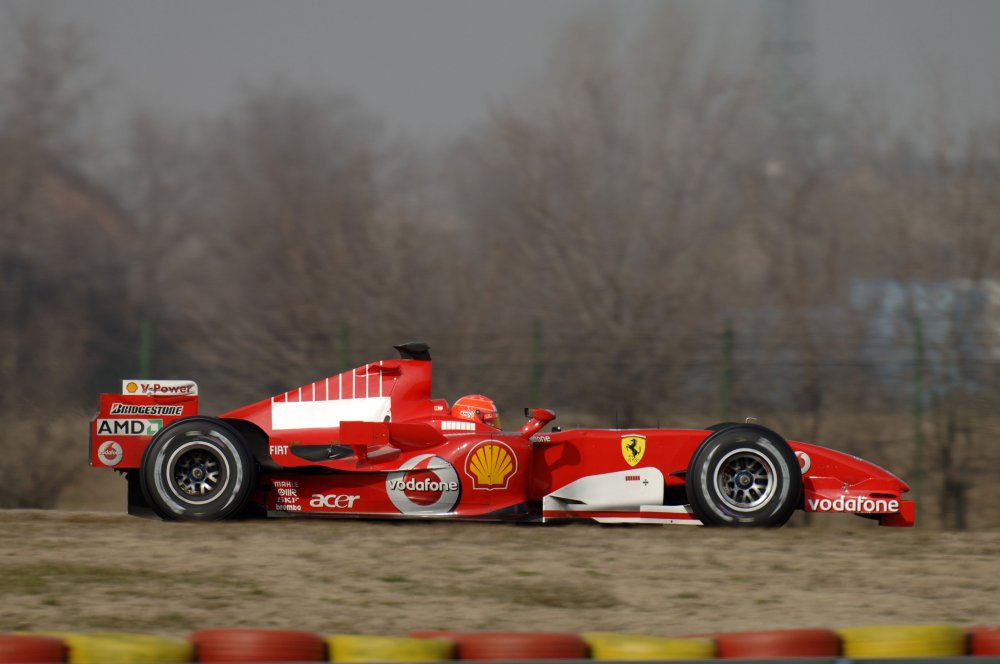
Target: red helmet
477,408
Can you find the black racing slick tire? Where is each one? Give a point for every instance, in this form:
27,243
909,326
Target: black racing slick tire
198,469
744,475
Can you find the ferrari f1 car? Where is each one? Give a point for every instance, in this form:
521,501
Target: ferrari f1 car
371,442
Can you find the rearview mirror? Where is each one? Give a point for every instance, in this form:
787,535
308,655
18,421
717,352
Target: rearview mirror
538,418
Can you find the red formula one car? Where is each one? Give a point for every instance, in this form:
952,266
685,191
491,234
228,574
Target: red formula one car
372,443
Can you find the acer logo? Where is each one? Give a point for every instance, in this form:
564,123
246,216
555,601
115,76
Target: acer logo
333,501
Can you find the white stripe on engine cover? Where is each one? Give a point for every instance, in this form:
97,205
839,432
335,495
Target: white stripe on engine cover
326,414
451,425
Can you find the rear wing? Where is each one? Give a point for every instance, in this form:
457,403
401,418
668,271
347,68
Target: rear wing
126,422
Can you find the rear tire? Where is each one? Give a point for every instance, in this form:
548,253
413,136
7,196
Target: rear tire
198,469
744,475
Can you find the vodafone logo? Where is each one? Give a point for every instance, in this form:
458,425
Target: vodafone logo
858,505
425,484
110,453
805,463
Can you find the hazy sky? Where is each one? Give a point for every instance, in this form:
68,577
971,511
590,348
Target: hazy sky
431,67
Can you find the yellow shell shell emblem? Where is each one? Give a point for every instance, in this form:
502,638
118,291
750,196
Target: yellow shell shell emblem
491,465
633,447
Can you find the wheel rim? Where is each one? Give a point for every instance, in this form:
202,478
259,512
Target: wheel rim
196,472
745,479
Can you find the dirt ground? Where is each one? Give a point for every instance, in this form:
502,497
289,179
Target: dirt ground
104,570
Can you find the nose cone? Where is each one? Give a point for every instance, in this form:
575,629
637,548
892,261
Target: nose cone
822,462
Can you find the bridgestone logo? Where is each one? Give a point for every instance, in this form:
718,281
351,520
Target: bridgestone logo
126,409
855,505
422,485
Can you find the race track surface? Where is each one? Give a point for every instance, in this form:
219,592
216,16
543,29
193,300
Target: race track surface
107,571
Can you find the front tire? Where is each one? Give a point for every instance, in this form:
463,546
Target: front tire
198,469
744,475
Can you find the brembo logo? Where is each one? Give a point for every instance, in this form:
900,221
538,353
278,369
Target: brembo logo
855,505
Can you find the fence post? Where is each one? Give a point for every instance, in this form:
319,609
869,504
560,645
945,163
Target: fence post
345,346
919,396
537,367
145,348
727,371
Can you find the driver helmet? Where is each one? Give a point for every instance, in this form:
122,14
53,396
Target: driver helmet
477,408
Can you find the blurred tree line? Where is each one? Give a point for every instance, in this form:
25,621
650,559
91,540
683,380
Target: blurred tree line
636,238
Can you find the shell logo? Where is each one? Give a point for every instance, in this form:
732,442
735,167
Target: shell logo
491,464
131,388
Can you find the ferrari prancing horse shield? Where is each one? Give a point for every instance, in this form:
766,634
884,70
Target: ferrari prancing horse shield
633,447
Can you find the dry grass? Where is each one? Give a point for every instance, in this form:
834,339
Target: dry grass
85,570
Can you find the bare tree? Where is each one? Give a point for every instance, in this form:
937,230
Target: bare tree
39,110
291,244
597,191
936,210
158,185
57,231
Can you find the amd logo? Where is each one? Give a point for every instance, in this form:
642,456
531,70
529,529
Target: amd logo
128,427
